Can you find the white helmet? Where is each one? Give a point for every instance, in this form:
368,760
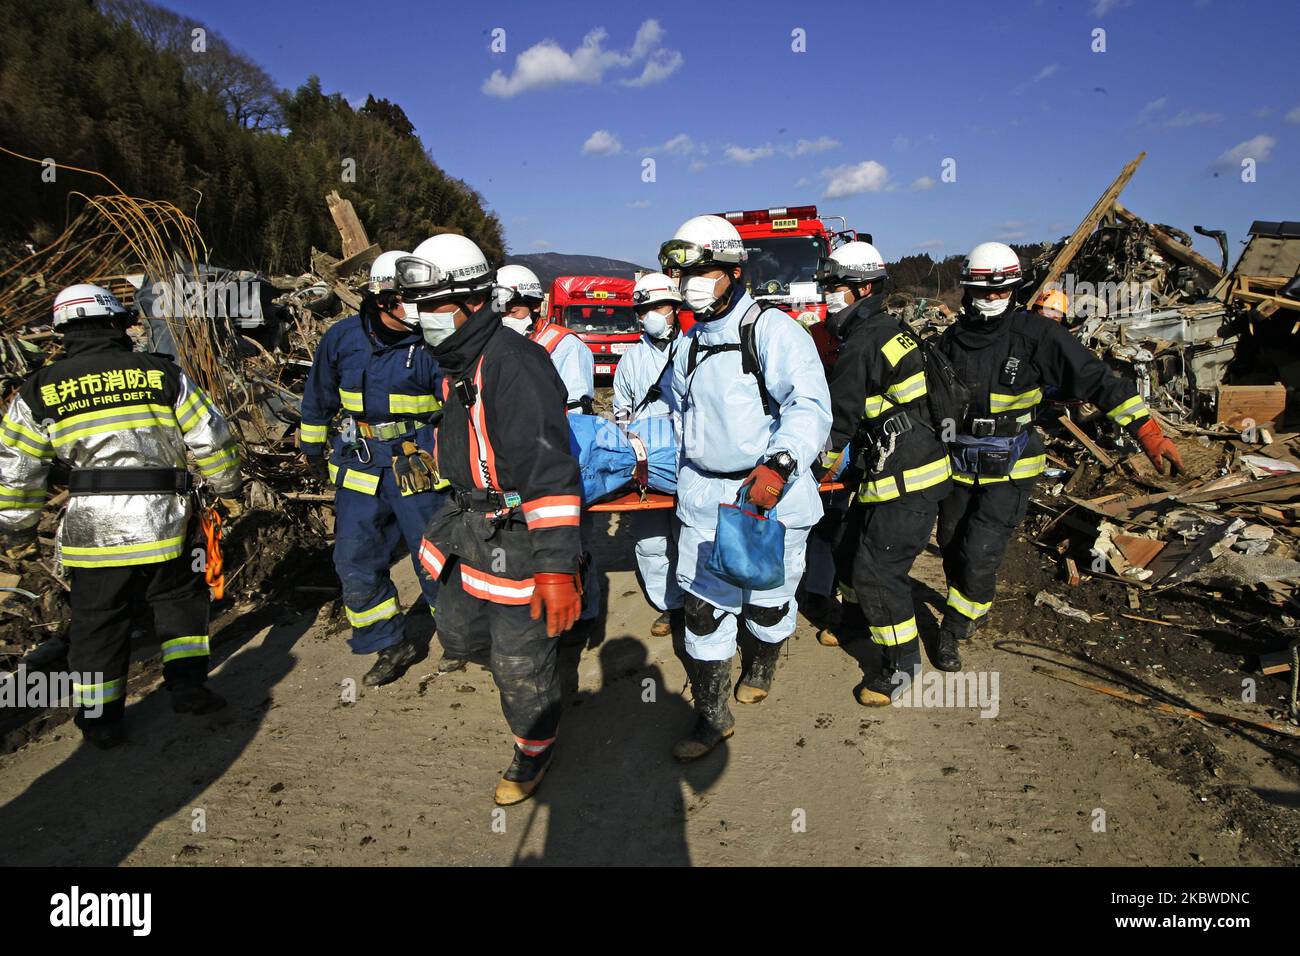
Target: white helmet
654,288
443,267
852,262
991,265
522,282
383,271
85,301
703,240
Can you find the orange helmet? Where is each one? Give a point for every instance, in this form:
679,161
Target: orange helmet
1053,303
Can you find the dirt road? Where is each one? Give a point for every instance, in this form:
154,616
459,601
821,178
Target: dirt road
290,773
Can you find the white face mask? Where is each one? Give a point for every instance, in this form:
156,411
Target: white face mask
698,292
991,307
518,325
836,302
437,327
655,324
411,313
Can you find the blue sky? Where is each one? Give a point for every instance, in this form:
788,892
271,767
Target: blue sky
554,130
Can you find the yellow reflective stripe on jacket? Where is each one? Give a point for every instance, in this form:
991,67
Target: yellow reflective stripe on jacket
914,479
122,555
908,390
216,463
191,411
313,434
111,420
897,347
965,606
355,480
17,435
194,645
352,401
413,404
927,476
21,499
105,693
894,634
1129,411
875,405
380,612
1006,403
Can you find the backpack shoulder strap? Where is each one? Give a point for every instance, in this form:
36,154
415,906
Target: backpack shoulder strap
749,362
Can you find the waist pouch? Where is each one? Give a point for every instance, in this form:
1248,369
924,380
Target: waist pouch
129,481
748,548
993,456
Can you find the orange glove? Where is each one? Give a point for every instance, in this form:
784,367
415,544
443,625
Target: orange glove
559,594
765,486
1159,448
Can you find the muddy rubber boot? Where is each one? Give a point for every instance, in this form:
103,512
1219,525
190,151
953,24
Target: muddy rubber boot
710,683
663,625
901,664
755,684
392,664
104,734
195,699
448,664
946,657
522,777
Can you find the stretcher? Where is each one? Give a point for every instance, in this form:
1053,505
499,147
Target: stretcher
657,500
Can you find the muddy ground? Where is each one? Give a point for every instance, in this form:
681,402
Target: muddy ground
291,773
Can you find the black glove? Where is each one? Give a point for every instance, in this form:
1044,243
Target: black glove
318,468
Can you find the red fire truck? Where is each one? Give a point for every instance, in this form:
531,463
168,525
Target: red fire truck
784,244
599,309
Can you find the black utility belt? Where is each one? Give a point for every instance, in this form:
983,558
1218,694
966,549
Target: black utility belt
486,501
729,475
129,481
994,426
879,429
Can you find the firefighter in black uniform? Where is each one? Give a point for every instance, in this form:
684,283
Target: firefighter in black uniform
878,399
1007,357
506,546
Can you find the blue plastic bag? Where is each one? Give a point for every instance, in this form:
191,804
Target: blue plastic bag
607,459
749,548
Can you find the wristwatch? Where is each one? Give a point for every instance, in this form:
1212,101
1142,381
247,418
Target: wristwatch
782,463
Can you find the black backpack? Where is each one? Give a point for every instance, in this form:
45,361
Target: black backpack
947,395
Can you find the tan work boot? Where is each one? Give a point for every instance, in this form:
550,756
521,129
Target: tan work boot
663,625
828,638
522,778
755,684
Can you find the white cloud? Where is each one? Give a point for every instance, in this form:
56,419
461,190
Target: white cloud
660,66
803,181
923,182
1011,234
548,64
602,143
1187,118
1014,224
1102,7
1293,115
1258,148
1045,72
539,244
679,145
818,145
695,166
748,154
639,204
1155,106
867,176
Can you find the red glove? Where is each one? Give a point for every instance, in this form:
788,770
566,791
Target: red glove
559,594
1158,447
765,486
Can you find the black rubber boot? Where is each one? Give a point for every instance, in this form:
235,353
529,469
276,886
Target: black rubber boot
710,684
195,699
946,657
448,664
900,665
392,664
104,734
757,681
522,777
